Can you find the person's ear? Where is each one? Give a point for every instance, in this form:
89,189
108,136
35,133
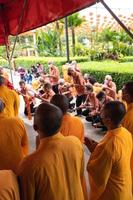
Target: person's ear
35,127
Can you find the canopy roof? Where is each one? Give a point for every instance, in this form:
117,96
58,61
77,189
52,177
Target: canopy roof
18,16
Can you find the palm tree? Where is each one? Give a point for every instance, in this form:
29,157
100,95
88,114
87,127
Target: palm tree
59,29
74,21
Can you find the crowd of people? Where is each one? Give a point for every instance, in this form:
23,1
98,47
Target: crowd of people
55,170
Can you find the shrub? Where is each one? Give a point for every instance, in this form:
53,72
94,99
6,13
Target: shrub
120,72
126,59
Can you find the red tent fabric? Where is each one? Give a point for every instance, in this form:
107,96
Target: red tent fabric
36,13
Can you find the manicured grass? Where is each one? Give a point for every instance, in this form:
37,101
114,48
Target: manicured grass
107,66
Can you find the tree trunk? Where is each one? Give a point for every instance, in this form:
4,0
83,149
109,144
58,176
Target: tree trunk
58,30
73,40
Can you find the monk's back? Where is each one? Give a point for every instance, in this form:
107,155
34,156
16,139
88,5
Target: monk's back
11,134
119,149
56,170
72,125
10,98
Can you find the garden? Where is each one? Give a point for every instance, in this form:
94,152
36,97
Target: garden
97,50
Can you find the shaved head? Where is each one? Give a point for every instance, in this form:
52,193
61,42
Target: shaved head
114,111
128,89
47,119
61,101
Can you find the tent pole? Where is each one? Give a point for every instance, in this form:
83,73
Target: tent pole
67,40
9,62
117,19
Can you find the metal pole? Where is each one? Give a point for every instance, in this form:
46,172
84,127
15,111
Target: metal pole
117,19
67,40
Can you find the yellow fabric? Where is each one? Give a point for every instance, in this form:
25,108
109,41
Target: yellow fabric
13,142
97,89
54,171
11,100
66,77
8,186
128,119
109,167
35,84
128,124
72,125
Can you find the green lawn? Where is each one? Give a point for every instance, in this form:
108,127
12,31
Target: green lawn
107,66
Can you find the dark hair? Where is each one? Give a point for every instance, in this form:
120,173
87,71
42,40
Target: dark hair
129,88
48,119
100,95
89,88
116,111
61,101
48,85
92,79
21,82
2,80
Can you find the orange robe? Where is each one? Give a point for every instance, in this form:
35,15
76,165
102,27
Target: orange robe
109,167
9,189
128,124
55,171
13,142
72,125
11,100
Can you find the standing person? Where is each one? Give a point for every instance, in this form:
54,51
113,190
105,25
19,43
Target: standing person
54,75
56,171
9,189
80,87
109,164
10,98
13,141
70,125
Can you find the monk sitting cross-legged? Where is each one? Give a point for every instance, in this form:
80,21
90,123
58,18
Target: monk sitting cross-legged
55,170
109,164
13,140
71,125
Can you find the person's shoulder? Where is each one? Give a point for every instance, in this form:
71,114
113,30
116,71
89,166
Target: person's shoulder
72,140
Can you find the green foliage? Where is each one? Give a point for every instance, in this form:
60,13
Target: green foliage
47,42
121,72
126,59
81,50
75,20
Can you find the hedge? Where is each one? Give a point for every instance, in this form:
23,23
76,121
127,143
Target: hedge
126,59
120,72
27,62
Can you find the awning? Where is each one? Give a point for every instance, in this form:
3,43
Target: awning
31,14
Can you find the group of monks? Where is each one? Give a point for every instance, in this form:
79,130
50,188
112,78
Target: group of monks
55,170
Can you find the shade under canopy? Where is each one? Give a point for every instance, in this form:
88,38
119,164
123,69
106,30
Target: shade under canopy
33,14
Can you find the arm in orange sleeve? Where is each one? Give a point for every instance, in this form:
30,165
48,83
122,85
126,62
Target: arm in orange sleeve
24,141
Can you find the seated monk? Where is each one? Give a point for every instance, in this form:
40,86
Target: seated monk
48,92
55,170
10,98
29,98
110,87
109,164
9,189
71,125
67,90
13,141
91,103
